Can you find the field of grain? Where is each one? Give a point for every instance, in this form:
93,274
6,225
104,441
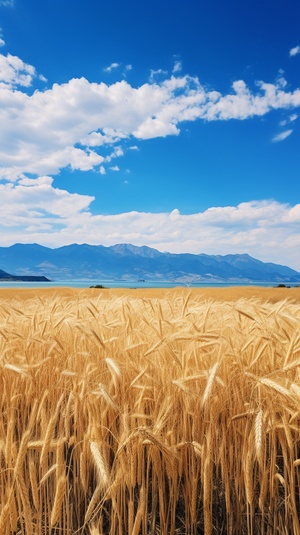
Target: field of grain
149,413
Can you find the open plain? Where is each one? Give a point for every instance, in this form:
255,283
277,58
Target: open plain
150,412
271,294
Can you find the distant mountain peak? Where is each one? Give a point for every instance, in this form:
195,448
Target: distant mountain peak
128,248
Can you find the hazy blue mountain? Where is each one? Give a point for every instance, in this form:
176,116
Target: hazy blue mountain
4,276
129,262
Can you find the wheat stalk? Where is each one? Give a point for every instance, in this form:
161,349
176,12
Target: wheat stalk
34,484
58,499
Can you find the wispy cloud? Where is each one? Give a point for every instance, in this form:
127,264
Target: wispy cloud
114,66
282,136
117,153
2,42
177,67
157,74
127,69
294,51
7,3
291,119
111,67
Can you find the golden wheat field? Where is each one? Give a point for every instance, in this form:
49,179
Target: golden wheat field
150,412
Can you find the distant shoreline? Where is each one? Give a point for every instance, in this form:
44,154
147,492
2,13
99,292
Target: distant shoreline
232,293
38,283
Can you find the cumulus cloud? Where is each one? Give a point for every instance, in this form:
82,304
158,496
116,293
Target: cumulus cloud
267,230
15,72
155,127
71,124
282,136
2,42
294,51
34,201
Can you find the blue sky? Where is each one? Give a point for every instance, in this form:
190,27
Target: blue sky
166,123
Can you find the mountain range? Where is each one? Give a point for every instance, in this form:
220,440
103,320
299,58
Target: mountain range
131,263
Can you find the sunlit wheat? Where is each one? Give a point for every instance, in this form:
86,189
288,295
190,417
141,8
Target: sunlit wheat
128,415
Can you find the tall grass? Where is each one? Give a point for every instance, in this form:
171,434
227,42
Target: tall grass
131,416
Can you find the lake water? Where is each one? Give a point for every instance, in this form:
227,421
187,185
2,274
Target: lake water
129,284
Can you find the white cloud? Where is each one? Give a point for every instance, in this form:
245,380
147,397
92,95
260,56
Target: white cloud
115,168
97,139
281,81
126,70
111,67
7,3
282,136
31,201
155,74
151,128
14,72
79,159
291,119
2,42
177,67
267,230
294,51
117,153
71,124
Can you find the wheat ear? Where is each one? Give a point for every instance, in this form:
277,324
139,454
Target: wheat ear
258,437
209,383
100,465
